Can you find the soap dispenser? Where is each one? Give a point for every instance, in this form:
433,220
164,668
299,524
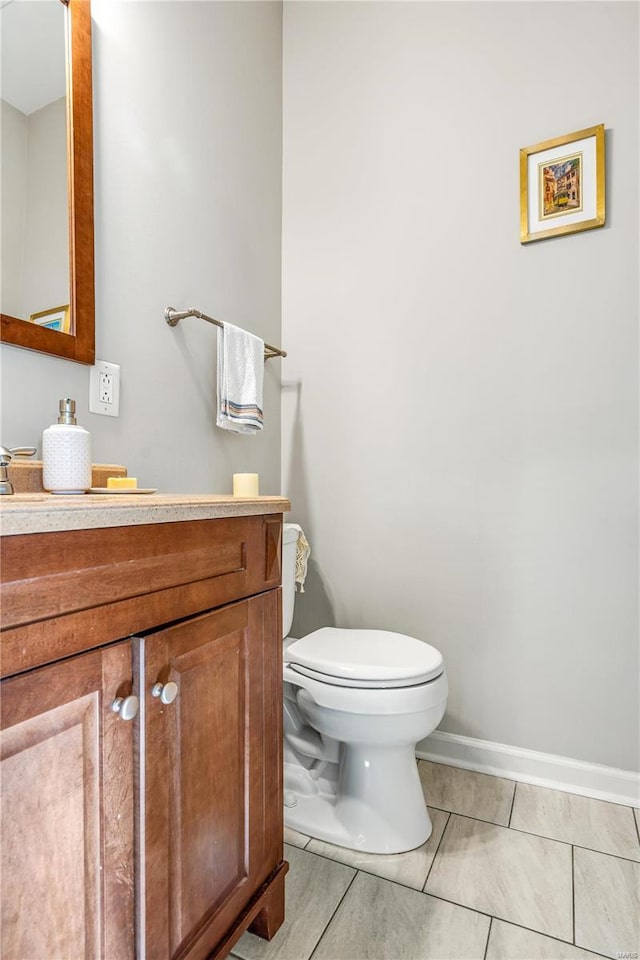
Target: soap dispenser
66,453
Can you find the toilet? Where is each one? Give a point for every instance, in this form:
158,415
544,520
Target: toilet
356,702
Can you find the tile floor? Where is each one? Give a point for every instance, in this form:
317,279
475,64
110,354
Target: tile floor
510,872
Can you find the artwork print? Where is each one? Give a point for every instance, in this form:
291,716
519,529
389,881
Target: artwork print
561,186
57,318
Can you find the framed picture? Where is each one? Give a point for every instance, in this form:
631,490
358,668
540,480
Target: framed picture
58,318
562,185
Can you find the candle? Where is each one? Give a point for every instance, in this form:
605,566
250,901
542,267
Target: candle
245,485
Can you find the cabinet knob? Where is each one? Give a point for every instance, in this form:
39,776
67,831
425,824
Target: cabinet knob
166,691
125,707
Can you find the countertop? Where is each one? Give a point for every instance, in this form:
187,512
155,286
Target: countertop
46,513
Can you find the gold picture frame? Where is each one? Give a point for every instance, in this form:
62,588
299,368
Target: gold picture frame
562,185
57,318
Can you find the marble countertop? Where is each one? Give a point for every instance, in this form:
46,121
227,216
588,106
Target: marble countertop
46,513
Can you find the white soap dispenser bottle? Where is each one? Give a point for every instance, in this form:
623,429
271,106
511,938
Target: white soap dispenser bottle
66,453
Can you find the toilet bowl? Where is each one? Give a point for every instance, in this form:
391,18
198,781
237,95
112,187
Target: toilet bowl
356,702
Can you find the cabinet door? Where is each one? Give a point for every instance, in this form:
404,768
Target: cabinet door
213,774
67,810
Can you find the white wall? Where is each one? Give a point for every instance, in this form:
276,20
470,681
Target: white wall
460,411
46,225
35,225
187,126
13,179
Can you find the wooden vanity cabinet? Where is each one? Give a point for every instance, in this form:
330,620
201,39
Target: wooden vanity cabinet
212,772
67,795
158,837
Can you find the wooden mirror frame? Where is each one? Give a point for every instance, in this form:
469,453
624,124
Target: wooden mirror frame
79,345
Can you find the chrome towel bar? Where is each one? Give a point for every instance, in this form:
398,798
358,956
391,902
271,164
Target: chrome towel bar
173,316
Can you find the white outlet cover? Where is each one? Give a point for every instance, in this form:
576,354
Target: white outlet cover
96,404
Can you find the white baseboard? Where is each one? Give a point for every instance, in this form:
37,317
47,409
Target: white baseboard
529,766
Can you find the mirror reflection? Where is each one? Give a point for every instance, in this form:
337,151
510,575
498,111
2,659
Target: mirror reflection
35,224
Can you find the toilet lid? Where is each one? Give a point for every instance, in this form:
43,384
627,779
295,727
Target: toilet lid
373,656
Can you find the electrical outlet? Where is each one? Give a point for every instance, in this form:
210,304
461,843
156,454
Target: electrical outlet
104,389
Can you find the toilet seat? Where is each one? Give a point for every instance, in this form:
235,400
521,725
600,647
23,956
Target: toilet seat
357,684
372,659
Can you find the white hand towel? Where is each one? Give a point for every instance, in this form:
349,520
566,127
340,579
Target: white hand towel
303,551
240,378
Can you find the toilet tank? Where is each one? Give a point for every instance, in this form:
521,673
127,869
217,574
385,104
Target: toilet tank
289,541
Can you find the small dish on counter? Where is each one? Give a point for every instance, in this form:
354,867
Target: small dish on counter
117,491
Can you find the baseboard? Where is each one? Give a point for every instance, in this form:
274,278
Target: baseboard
529,766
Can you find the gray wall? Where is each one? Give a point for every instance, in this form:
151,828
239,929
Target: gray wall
460,412
187,119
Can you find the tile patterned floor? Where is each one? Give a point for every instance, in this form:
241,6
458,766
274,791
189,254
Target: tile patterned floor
511,872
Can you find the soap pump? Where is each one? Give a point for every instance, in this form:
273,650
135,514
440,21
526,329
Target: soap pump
66,453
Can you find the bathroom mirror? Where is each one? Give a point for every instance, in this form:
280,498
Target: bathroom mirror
47,297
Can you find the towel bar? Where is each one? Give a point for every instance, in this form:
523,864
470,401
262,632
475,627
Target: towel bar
173,316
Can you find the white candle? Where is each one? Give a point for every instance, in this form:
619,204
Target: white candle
245,485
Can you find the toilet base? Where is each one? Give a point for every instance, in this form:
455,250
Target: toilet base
356,802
